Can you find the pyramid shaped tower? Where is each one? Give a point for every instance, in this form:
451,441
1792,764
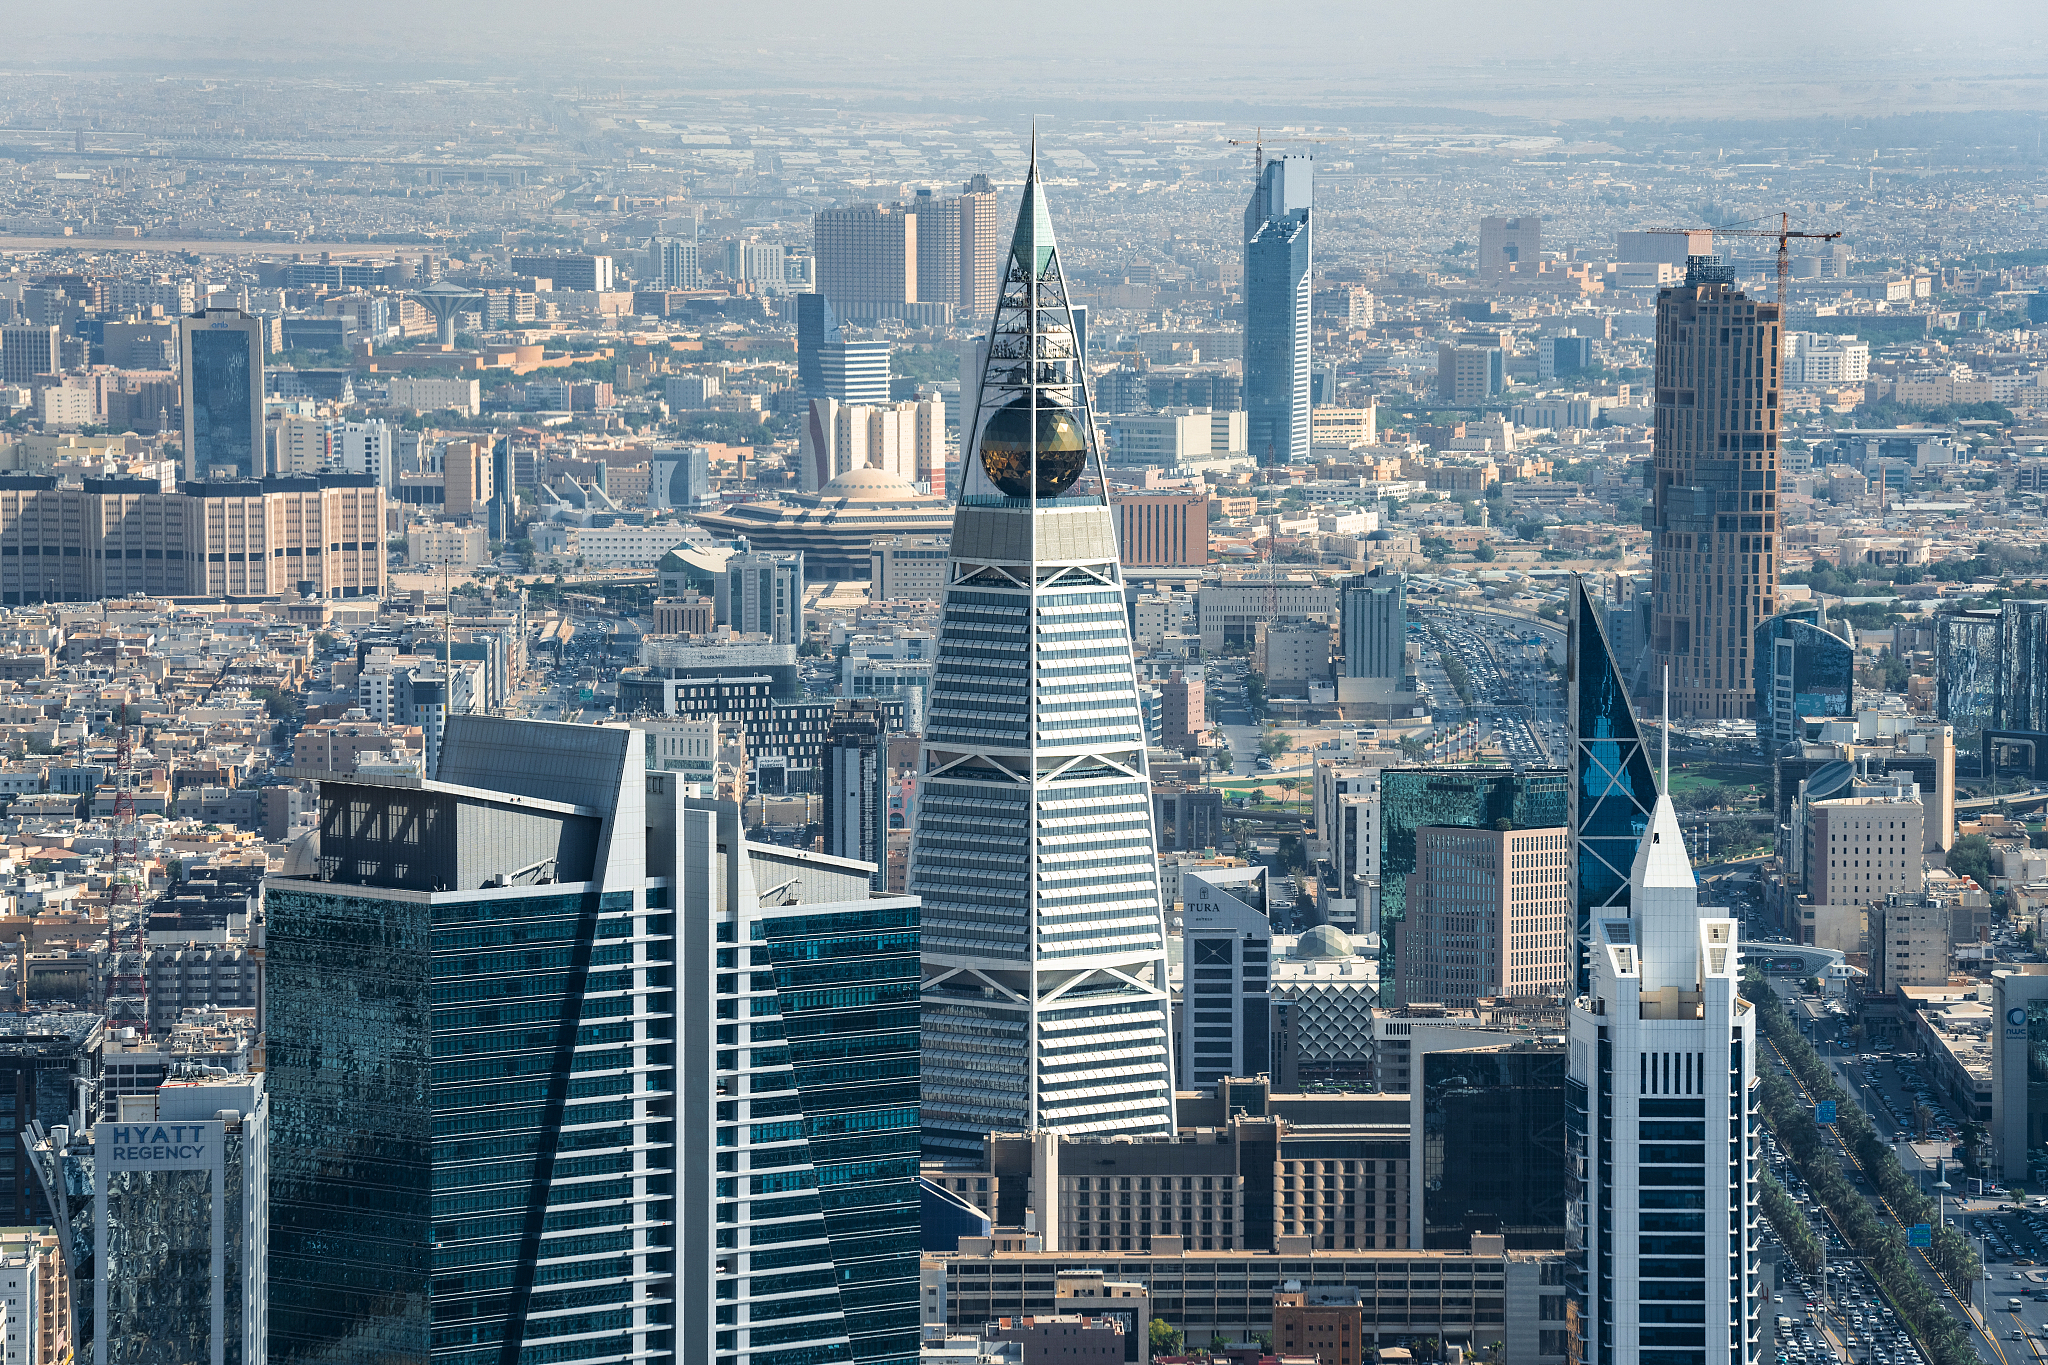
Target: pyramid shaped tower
1044,994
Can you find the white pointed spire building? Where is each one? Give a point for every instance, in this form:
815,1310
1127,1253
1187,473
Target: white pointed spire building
1661,1205
1044,995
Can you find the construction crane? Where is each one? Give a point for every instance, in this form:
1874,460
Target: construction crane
1784,232
1259,141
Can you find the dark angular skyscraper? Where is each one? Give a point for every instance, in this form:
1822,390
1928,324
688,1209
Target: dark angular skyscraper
1613,789
1802,669
1278,257
223,394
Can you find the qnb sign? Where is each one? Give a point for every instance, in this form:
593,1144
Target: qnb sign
159,1146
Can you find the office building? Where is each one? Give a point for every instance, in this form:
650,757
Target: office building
1967,678
907,568
1613,789
855,371
758,265
1347,806
51,1064
2019,1103
180,1217
677,262
679,479
1374,624
1662,1084
1563,355
835,525
1412,799
466,471
1468,375
1226,1012
1817,358
906,440
1909,941
1509,246
856,778
1325,990
27,351
35,1296
1714,515
1278,263
1488,915
223,394
762,592
1489,1123
1165,528
981,250
572,270
798,1225
867,257
1323,1322
1183,711
817,326
1860,849
1044,953
1802,669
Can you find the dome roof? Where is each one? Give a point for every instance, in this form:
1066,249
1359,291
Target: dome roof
867,485
1323,941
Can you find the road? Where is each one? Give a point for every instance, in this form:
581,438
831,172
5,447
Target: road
1514,696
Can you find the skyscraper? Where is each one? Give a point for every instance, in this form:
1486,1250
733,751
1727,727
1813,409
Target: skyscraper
817,326
678,262
762,591
1375,624
223,349
1714,526
981,248
1045,999
1277,262
1488,914
1613,789
856,778
1663,1136
867,256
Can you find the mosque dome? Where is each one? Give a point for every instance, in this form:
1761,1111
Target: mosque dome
1322,942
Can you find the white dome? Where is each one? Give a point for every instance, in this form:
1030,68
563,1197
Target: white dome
868,485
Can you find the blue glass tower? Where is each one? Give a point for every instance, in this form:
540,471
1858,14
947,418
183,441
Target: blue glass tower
1277,261
1045,997
1802,669
1613,789
223,394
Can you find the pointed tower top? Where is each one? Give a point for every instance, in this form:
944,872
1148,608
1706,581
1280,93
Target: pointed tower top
1661,859
1032,246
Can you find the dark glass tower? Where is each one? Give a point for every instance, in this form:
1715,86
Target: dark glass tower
1493,1145
1278,256
1802,669
1045,999
1613,789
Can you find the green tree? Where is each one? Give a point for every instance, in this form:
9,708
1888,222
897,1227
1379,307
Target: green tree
1971,857
1529,530
1485,553
1274,745
1435,547
1165,1338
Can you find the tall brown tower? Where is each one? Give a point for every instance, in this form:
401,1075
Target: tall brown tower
1714,514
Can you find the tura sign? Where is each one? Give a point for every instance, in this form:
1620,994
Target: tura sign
159,1146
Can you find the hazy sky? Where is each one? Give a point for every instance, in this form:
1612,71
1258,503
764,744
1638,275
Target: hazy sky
1568,60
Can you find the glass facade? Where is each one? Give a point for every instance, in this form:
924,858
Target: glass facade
1493,1146
1801,670
472,1154
1966,673
1467,798
1278,252
220,379
845,1019
42,1058
1613,788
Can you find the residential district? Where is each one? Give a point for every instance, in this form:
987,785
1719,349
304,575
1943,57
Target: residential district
762,737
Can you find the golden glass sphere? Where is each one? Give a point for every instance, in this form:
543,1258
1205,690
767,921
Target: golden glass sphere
1006,449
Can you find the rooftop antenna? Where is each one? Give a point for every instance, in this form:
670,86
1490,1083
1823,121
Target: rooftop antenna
1667,731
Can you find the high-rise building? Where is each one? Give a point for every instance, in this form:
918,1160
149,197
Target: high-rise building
678,262
906,439
51,1064
1226,950
1469,374
981,249
1412,799
1163,527
1374,624
939,276
1714,518
763,591
27,351
1663,1139
462,1037
1278,258
1509,246
571,270
1966,672
1563,355
761,266
817,326
1613,789
679,479
223,394
180,1203
1802,669
867,256
1490,1123
1045,1000
466,478
856,778
1488,915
